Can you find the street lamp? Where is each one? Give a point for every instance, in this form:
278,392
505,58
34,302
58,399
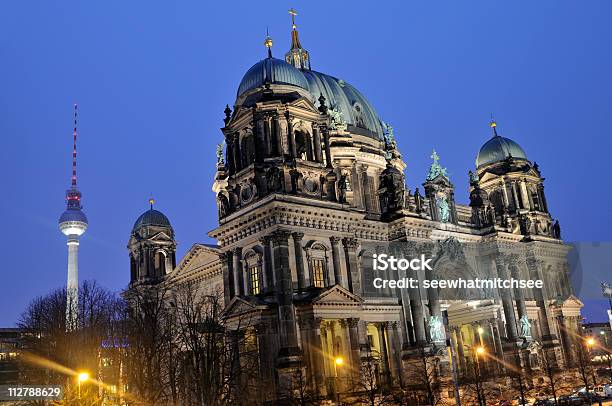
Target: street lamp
82,377
339,361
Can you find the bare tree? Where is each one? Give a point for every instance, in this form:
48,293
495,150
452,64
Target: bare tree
150,353
60,352
369,389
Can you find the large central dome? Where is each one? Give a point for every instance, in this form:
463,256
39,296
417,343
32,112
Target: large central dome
356,111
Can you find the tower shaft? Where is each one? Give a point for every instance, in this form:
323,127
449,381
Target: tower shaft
72,286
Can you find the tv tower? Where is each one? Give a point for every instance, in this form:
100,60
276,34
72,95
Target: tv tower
73,223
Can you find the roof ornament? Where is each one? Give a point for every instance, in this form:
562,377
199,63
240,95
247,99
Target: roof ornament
337,121
436,169
268,43
297,56
220,160
151,202
322,106
228,114
493,125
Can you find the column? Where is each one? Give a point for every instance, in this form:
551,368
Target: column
566,344
336,261
524,195
299,259
328,159
229,153
237,268
504,194
517,204
278,139
260,142
352,268
460,348
290,135
267,270
380,327
286,314
367,198
317,144
506,297
267,136
318,356
394,366
499,351
346,371
518,293
224,257
236,150
355,348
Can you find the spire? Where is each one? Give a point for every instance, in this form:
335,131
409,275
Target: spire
268,43
297,56
295,38
493,125
151,202
74,149
73,195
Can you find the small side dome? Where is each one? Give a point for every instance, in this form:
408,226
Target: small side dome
274,71
152,218
498,149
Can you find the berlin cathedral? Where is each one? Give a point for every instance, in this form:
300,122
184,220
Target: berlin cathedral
309,181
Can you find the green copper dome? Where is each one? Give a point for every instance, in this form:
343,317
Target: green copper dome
497,149
273,71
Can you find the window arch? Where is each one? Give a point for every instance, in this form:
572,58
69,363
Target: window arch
253,262
317,263
160,263
303,145
247,149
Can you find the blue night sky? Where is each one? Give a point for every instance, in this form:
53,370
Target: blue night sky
152,79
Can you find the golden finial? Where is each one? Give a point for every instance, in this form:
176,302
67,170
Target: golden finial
151,202
268,43
493,125
293,14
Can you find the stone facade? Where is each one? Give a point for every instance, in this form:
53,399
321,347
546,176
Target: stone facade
303,189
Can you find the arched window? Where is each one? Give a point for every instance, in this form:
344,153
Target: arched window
133,274
497,201
254,275
160,263
247,149
303,145
318,265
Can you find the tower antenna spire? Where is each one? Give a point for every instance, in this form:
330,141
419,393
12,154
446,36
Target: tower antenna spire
74,149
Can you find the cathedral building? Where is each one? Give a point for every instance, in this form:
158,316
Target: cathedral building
309,185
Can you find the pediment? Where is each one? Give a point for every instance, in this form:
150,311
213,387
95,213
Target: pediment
238,306
161,236
337,295
487,177
304,103
573,301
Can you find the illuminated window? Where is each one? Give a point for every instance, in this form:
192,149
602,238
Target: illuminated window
254,277
318,272
106,362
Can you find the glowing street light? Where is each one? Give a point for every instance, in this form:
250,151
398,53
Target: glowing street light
480,350
590,341
480,330
82,377
339,361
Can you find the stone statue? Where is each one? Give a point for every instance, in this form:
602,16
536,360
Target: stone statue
443,209
220,160
337,121
525,326
389,136
223,205
274,179
342,187
418,201
556,230
473,178
436,329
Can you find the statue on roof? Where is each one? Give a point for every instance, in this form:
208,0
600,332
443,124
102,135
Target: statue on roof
436,169
337,121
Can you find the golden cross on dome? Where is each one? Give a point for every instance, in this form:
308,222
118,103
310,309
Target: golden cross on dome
293,13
